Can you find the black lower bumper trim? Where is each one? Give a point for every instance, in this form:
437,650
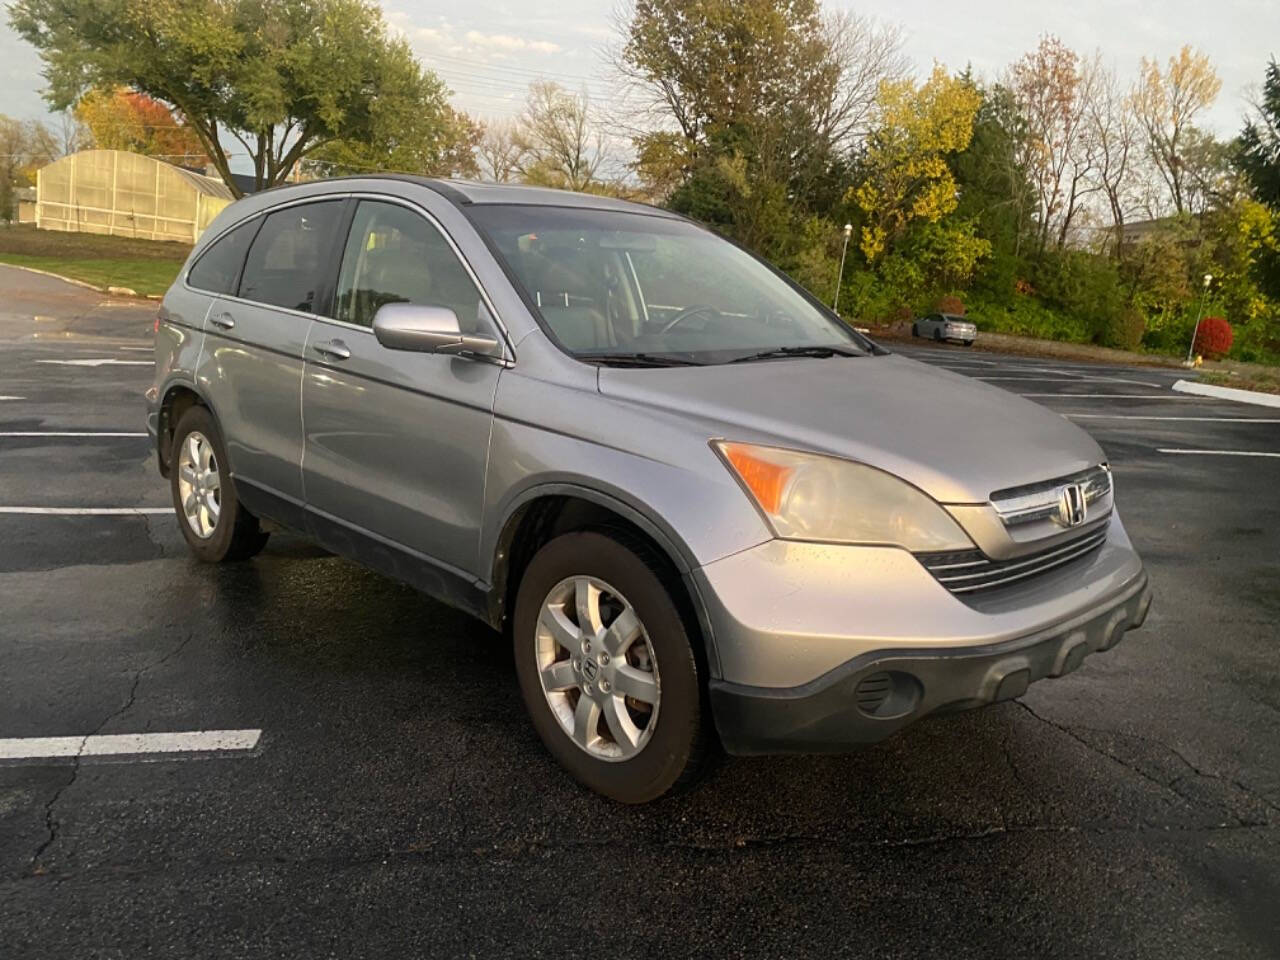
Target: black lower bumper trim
874,695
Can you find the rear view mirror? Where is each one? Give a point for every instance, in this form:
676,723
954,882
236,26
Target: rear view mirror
427,329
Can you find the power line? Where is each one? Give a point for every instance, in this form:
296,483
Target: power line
503,68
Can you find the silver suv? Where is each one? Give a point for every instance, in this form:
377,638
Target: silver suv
704,508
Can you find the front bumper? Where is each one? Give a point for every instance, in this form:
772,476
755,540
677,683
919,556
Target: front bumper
845,646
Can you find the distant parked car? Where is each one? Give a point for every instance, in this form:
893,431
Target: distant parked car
945,326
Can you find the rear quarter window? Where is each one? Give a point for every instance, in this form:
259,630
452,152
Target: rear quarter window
218,268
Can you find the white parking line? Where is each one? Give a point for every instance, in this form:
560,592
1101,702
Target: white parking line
129,744
1219,453
1123,416
70,433
1108,396
101,362
1079,379
13,398
88,511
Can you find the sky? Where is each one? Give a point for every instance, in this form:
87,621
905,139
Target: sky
489,50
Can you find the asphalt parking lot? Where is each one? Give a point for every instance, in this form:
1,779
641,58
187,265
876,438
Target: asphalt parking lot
391,799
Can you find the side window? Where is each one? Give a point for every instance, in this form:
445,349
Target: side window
219,266
286,263
394,255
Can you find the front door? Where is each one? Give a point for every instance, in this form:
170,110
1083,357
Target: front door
396,441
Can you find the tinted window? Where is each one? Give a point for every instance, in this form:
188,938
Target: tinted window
394,255
287,260
218,267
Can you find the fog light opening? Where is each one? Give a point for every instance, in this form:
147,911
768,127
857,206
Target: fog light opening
887,694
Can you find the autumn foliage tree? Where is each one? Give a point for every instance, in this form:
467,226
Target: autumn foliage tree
281,78
1167,103
1053,88
905,176
123,119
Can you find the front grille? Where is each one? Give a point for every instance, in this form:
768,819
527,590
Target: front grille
971,571
1039,501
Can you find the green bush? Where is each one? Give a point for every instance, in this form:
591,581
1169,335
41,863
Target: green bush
1124,330
1028,317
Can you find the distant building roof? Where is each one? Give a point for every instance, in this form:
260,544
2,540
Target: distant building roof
246,183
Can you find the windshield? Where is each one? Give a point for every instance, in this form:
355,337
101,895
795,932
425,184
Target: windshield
610,284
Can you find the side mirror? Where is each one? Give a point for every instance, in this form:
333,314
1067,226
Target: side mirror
427,329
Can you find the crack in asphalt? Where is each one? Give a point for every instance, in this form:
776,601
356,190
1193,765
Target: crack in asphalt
151,536
517,848
51,824
1171,785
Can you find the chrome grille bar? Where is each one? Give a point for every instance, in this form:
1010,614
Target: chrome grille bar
971,571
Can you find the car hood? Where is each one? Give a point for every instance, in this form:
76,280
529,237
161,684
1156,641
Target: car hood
955,438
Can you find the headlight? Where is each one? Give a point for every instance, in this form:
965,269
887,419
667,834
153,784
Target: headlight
807,496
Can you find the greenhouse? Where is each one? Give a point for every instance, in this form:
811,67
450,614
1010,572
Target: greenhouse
126,194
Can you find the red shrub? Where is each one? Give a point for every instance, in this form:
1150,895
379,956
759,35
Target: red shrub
1213,339
951,305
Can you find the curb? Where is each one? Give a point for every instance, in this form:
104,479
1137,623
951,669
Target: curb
1228,393
109,291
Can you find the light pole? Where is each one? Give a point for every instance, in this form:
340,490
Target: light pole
1208,279
835,301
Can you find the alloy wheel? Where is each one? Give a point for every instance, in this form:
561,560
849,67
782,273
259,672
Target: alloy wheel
199,484
597,668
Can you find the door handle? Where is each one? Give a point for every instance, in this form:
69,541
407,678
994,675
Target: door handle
224,320
333,349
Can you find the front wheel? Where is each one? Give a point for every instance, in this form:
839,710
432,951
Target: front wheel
607,670
915,330
216,527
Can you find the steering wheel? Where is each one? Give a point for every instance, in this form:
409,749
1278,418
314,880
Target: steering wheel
686,313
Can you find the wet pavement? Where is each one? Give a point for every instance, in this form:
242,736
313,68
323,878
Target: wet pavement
398,802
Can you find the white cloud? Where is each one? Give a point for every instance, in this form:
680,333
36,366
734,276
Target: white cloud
504,41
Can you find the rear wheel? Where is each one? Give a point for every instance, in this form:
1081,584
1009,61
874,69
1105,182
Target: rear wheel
968,343
216,527
915,330
607,670
937,336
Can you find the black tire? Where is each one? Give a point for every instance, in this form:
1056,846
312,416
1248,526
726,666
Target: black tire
915,330
968,343
680,742
237,534
937,336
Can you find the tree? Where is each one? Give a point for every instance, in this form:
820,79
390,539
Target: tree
500,152
1258,158
122,119
1053,88
1113,129
995,191
905,172
556,140
1167,104
283,78
1259,149
13,156
774,82
435,142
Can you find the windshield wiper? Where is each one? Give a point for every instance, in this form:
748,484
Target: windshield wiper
638,360
801,351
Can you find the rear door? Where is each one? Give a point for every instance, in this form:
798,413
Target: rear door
251,369
397,441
